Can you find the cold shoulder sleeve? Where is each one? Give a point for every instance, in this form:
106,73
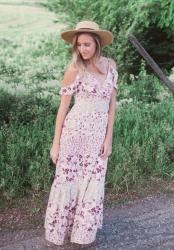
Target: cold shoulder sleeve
114,73
114,77
71,88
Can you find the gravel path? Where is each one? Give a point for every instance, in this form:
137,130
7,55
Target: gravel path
143,224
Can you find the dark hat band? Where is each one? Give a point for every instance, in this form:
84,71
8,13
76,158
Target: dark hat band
85,29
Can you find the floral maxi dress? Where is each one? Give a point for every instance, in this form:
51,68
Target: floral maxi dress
75,204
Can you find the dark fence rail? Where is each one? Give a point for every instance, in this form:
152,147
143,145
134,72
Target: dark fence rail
151,62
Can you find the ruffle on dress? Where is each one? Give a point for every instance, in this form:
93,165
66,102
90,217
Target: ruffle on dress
90,85
71,88
73,210
75,206
114,75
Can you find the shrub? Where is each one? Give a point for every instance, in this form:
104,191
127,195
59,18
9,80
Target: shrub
151,21
143,143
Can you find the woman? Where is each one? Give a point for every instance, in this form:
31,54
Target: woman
83,138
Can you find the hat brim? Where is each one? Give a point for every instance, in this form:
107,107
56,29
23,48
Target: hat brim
105,35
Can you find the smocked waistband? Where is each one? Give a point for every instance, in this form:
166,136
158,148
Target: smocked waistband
90,105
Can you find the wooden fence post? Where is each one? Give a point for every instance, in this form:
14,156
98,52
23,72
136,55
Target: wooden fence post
151,62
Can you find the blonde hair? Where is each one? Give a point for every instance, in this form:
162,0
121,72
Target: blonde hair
77,60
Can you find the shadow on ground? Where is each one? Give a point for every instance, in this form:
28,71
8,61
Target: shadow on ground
142,224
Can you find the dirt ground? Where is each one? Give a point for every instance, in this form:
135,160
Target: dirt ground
142,218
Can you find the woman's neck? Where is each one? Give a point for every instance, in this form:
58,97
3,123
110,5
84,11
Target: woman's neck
96,66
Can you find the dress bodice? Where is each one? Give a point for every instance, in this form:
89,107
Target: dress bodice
88,92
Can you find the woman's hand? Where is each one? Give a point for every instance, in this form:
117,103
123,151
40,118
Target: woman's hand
54,152
106,149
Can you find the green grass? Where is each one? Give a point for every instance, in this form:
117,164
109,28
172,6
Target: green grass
33,63
30,48
142,143
31,69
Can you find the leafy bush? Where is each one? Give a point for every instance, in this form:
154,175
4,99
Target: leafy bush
24,156
145,88
143,133
24,108
32,61
27,124
142,143
151,21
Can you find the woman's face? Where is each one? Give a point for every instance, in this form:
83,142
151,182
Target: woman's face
86,46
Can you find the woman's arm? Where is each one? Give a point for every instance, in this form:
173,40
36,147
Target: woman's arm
61,114
69,77
106,148
112,110
107,145
111,116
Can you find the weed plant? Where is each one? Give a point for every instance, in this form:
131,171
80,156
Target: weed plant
143,137
142,143
150,21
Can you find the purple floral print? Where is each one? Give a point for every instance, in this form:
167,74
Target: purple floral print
75,205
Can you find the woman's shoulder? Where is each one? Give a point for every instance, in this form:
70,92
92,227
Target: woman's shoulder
70,74
111,61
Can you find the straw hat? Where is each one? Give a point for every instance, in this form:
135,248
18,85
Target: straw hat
88,26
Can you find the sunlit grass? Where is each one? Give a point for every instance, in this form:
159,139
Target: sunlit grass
31,69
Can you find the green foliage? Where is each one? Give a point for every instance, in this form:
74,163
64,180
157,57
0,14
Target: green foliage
151,21
24,156
143,143
23,108
27,126
143,140
32,60
145,87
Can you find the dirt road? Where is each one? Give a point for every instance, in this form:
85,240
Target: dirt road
144,224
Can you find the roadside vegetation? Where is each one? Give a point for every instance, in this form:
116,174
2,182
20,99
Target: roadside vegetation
30,74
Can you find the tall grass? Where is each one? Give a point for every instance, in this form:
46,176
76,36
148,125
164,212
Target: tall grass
143,144
150,21
143,137
25,138
34,62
